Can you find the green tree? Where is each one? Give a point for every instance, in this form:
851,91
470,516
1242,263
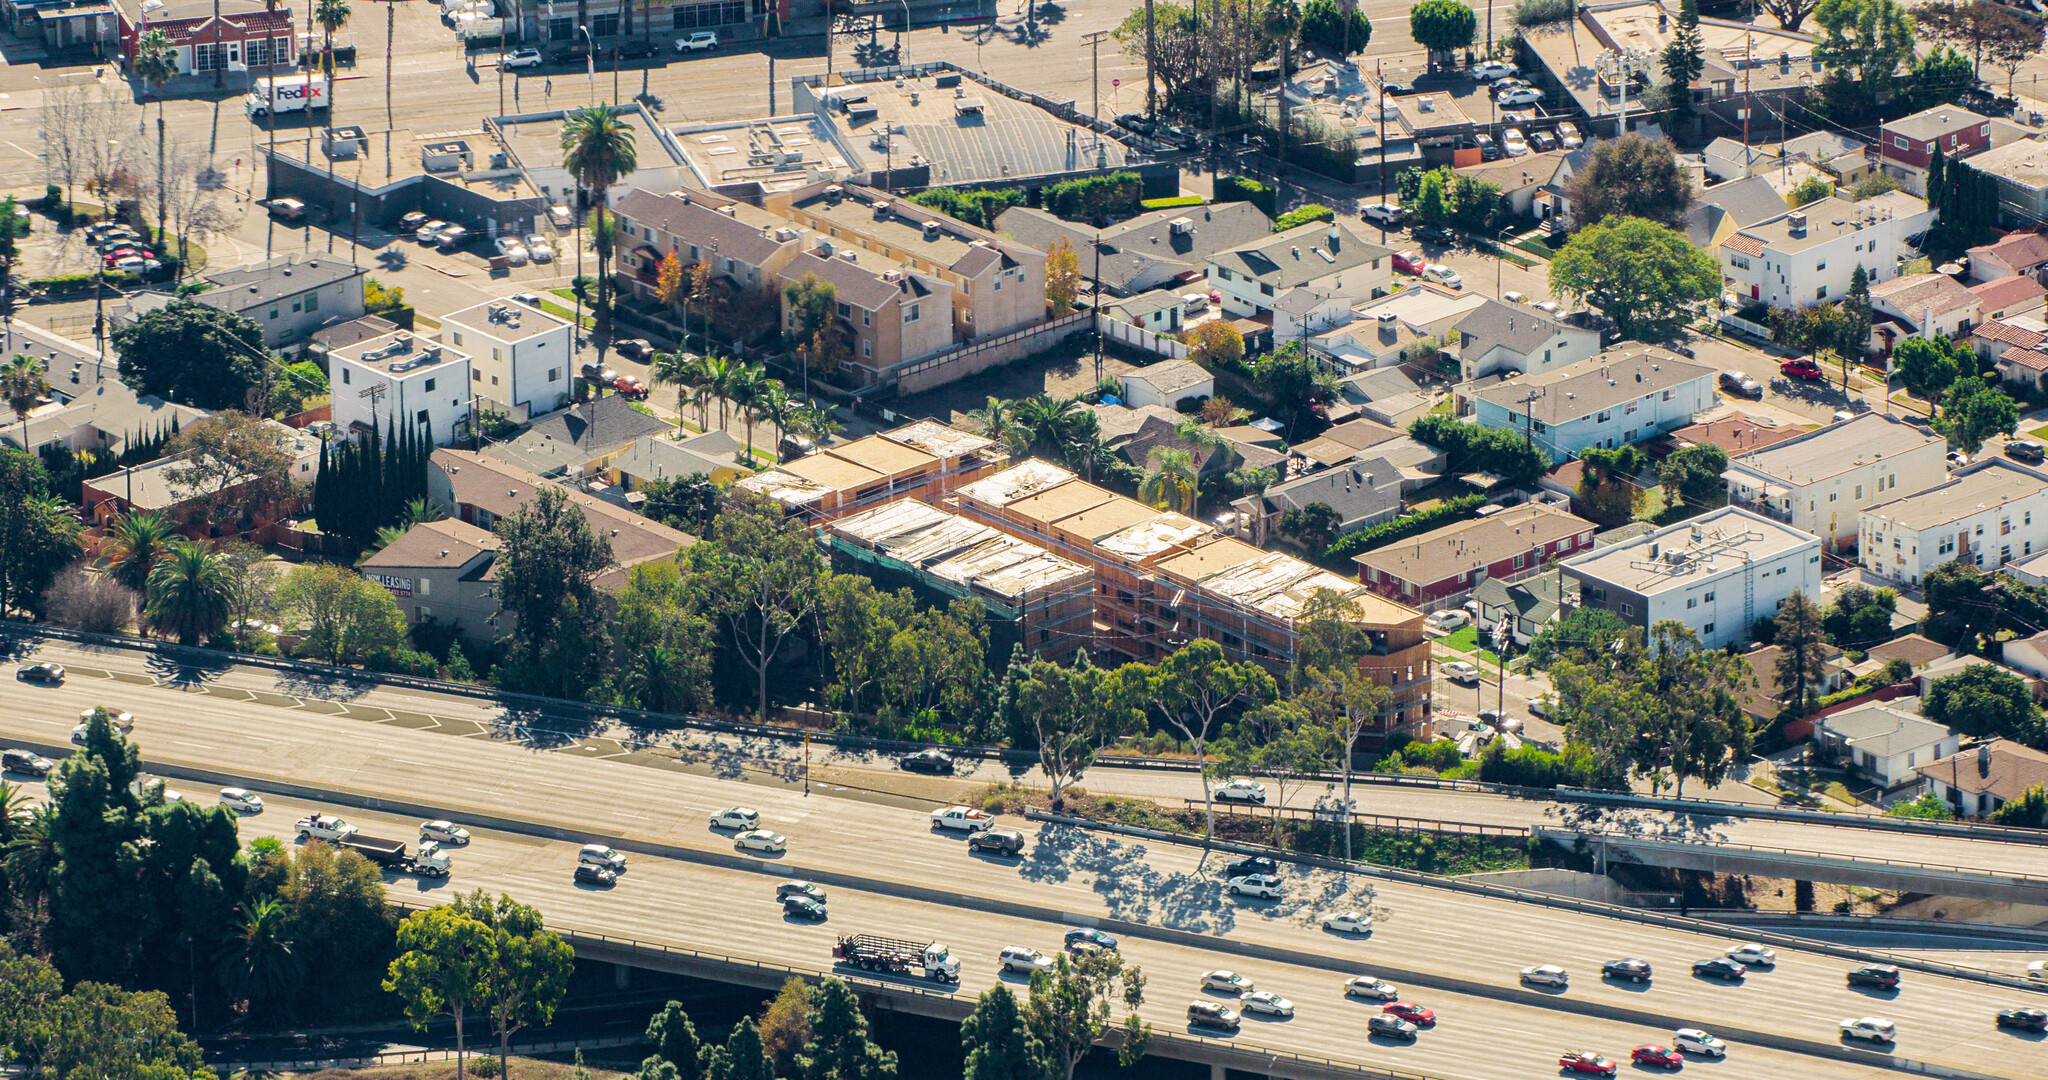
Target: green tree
1684,57
443,970
332,15
1974,410
1698,729
1927,807
743,1057
528,973
1280,22
1329,682
260,965
1475,201
675,1040
1290,379
189,592
1432,199
1192,688
1069,1010
759,577
1862,43
1985,701
343,926
1284,741
1442,27
548,560
1860,616
665,642
1630,177
1172,479
190,353
343,618
1802,652
1068,714
998,1045
97,822
839,1047
1315,525
1692,476
1928,367
812,304
1960,606
1811,189
98,1030
1335,27
1647,278
29,991
23,383
786,1025
2029,811
135,541
1606,484
232,466
1940,77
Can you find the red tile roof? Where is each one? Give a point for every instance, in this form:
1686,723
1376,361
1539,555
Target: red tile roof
2006,291
1746,245
2026,358
2008,334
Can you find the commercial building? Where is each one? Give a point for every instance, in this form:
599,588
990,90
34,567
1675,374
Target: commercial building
1809,255
1032,597
1822,481
445,571
1323,257
290,296
923,460
248,36
520,357
1619,397
1717,574
1441,567
1515,338
398,381
1988,515
482,492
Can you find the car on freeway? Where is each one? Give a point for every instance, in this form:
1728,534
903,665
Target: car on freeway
1719,967
1249,865
25,762
936,762
997,841
1387,1025
513,251
760,840
1137,122
701,41
1229,982
802,907
1585,1061
1088,937
1752,954
1802,367
1741,385
1545,975
430,231
1568,136
1410,262
2026,450
1024,961
1411,1012
600,855
1459,671
1879,976
1518,95
586,874
1213,1014
1448,620
736,817
412,221
1348,922
1657,1054
1494,69
241,800
1366,986
1384,214
962,817
1695,1041
1444,275
1870,1029
787,889
633,348
2038,971
1240,789
522,58
1628,967
1543,141
123,720
1267,1003
540,248
2023,1019
1263,886
443,832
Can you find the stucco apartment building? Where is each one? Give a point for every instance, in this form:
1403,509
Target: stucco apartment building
1822,481
1807,256
1717,574
1621,396
481,492
924,460
1327,258
445,571
1988,515
289,296
1441,567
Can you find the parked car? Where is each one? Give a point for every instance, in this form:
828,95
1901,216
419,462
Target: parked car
539,249
1366,986
1802,367
1957,459
1518,95
637,50
1459,671
136,264
1568,135
1870,1029
452,237
633,348
1242,790
1436,234
1443,275
1543,141
1629,968
1719,967
1878,976
1136,122
1448,620
522,58
1396,89
2038,971
1494,69
1512,141
1695,1041
701,41
630,388
430,231
2025,450
1488,149
412,221
1585,1061
1657,1054
288,209
934,761
1390,1026
510,247
1384,214
1741,385
1545,975
1410,262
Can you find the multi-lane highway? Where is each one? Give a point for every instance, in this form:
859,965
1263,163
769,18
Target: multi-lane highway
594,788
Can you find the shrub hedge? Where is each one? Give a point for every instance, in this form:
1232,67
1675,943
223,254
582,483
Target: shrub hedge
1386,532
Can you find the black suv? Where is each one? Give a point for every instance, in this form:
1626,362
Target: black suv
999,841
595,875
2023,1019
2023,450
936,762
1629,968
1248,867
26,762
1881,976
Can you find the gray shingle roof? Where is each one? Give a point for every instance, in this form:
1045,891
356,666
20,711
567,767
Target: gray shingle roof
1597,383
1287,259
243,287
572,437
1514,327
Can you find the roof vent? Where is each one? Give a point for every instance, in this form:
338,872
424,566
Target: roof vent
931,230
824,248
881,210
729,210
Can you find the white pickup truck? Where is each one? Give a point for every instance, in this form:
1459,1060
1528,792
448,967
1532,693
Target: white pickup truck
324,827
962,817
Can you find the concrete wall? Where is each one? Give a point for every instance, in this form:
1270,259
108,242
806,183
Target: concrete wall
1573,883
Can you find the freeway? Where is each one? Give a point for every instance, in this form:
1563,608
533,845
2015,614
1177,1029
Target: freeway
883,842
1477,1038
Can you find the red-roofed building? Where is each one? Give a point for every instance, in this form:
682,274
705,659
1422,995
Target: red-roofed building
233,35
2014,253
2013,294
2026,366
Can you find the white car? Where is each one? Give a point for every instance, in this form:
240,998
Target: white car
443,832
124,722
1459,671
600,855
1871,1029
430,232
1230,982
1024,961
736,817
1241,790
1267,1002
539,249
1695,1041
1448,620
1548,307
241,800
1263,886
1443,275
1366,986
1349,922
701,41
2038,971
1545,975
1752,954
1518,95
513,251
1494,69
1383,214
136,264
1568,135
760,840
1514,297
522,58
962,817
1512,141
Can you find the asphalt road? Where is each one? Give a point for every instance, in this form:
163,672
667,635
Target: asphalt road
1423,929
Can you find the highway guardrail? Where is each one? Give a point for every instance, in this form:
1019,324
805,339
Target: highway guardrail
1384,822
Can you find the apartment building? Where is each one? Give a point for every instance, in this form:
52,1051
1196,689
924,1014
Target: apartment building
442,570
1807,256
1906,145
1327,258
1441,567
1502,337
482,492
1822,481
1717,574
290,296
520,357
1619,397
1988,514
924,460
401,380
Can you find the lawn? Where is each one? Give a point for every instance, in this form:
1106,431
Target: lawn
2040,432
1466,640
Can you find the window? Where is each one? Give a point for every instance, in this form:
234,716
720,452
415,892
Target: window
498,355
1820,293
1707,629
494,380
1739,262
867,348
424,586
910,314
845,310
1627,609
604,25
1900,142
1604,417
561,29
312,301
421,417
273,312
553,374
1519,560
1628,408
1709,598
476,376
1691,602
1859,491
430,386
344,376
867,319
458,337
1821,265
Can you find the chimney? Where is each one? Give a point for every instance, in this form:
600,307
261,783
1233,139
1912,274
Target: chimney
1984,759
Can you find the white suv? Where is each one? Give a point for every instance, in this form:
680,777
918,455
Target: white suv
1263,886
1870,1028
1020,959
522,58
1545,975
701,41
736,817
602,856
1695,1041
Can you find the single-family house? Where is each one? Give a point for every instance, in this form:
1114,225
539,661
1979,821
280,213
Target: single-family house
1394,329
1906,145
2014,253
1500,336
1922,305
1717,212
1320,256
580,440
1364,492
1983,778
1167,383
1529,604
1918,650
1884,742
2012,295
2028,655
715,455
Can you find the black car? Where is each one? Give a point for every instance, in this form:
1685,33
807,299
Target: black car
802,907
1881,976
1741,385
1137,122
1394,89
587,874
1086,937
633,348
1248,867
1391,1026
1629,968
2024,1019
50,674
2022,450
639,50
1436,234
25,762
936,762
1719,967
997,841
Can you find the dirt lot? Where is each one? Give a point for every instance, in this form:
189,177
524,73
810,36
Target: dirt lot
1063,371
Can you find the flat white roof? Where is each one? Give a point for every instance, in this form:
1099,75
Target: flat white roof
1691,552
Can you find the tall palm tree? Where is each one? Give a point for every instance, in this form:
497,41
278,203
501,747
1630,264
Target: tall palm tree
749,392
23,382
720,373
258,958
332,15
1280,21
679,369
1048,423
156,60
1202,437
190,592
597,149
776,406
998,421
30,862
134,544
815,422
1171,480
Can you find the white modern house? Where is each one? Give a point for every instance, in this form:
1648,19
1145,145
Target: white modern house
401,379
521,356
1807,256
1988,514
1821,481
1883,742
1718,574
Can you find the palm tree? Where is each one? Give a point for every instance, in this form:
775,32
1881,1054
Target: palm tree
1200,436
749,393
776,406
1048,423
332,15
190,592
679,370
23,382
720,373
815,422
597,149
418,510
1171,481
156,60
134,544
1280,21
30,861
998,421
257,960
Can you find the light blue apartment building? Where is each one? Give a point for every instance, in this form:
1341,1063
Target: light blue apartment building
1621,396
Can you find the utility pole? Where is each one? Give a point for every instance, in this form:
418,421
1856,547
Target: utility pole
1748,102
1151,87
1379,76
1095,304
1093,39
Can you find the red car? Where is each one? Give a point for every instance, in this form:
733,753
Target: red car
1409,262
1802,368
1653,1054
1585,1061
1411,1012
629,387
